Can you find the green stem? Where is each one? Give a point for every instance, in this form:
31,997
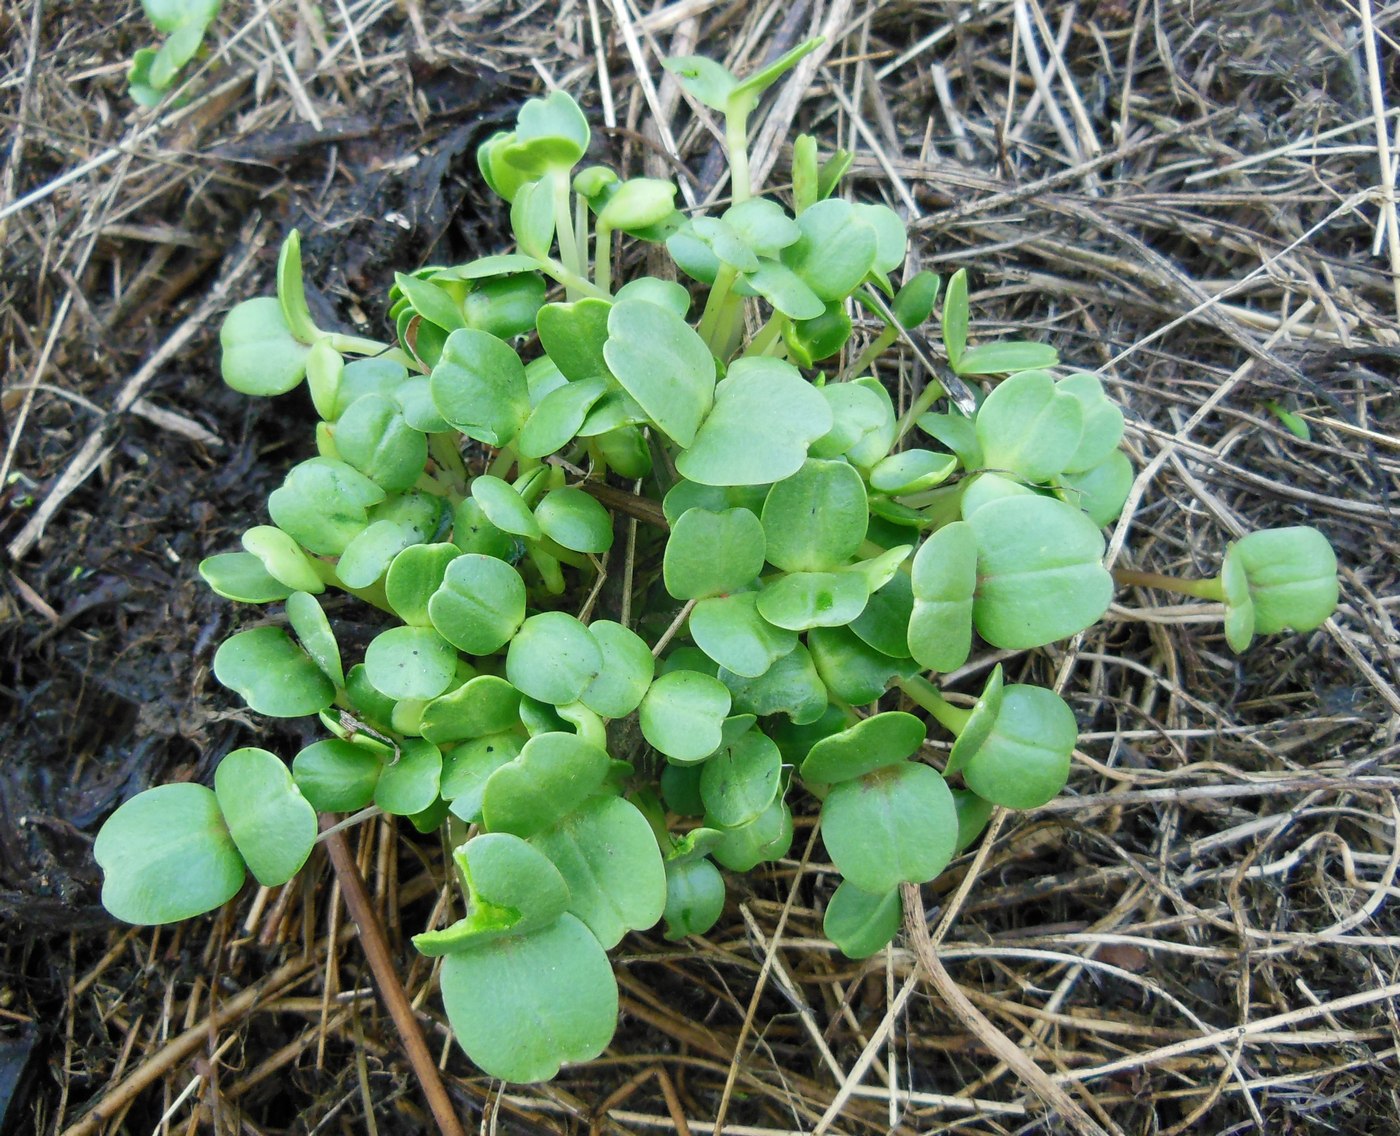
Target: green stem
501,463
878,347
766,335
572,281
736,136
1212,589
715,304
373,595
602,257
443,448
923,693
931,393
564,226
357,345
585,722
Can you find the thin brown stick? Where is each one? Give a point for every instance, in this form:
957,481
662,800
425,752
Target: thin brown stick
1031,1074
352,887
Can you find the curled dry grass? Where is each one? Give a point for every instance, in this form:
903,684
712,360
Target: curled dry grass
1195,937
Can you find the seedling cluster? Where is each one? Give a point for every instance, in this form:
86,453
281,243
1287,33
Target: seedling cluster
648,576
155,70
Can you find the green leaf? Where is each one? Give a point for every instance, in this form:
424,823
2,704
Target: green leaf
167,855
958,434
360,377
973,815
978,723
709,82
291,293
240,576
171,15
325,370
551,777
740,781
1040,572
858,414
553,1000
638,203
479,605
506,307
576,520
712,553
785,290
804,172
767,838
431,301
409,784
802,600
1099,492
1029,426
860,923
955,317
1024,760
815,520
765,416
322,504
553,658
504,507
724,242
410,662
983,488
662,362
663,293
1101,418
913,303
912,471
467,768
891,239
607,854
694,897
261,356
1291,574
473,532
683,714
1004,358
944,579
479,387
370,552
414,577
554,423
872,743
745,95
763,225
895,825
532,217
273,675
550,134
884,623
283,558
574,336
628,667
317,639
790,686
337,776
513,888
836,251
732,633
271,823
851,669
482,705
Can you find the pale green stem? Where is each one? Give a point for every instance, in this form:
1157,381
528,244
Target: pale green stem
931,393
357,345
1212,589
501,463
715,305
877,347
572,281
767,335
443,447
736,136
923,693
602,257
373,595
549,569
564,225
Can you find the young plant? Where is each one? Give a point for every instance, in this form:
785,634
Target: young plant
154,70
804,557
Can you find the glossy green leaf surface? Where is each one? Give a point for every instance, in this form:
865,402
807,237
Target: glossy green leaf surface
272,674
553,1000
1029,426
765,416
1292,575
551,777
553,658
410,662
1101,418
790,686
713,553
683,713
261,356
852,670
694,898
627,671
313,630
468,767
803,600
894,825
730,631
607,853
575,520
815,520
271,823
860,923
479,604
240,576
741,780
943,580
414,576
479,387
336,776
409,782
836,250
662,362
872,743
1024,760
1040,572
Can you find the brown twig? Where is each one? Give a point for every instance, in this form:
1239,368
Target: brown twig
386,977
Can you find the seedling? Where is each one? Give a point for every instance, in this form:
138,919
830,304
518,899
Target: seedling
805,558
155,70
